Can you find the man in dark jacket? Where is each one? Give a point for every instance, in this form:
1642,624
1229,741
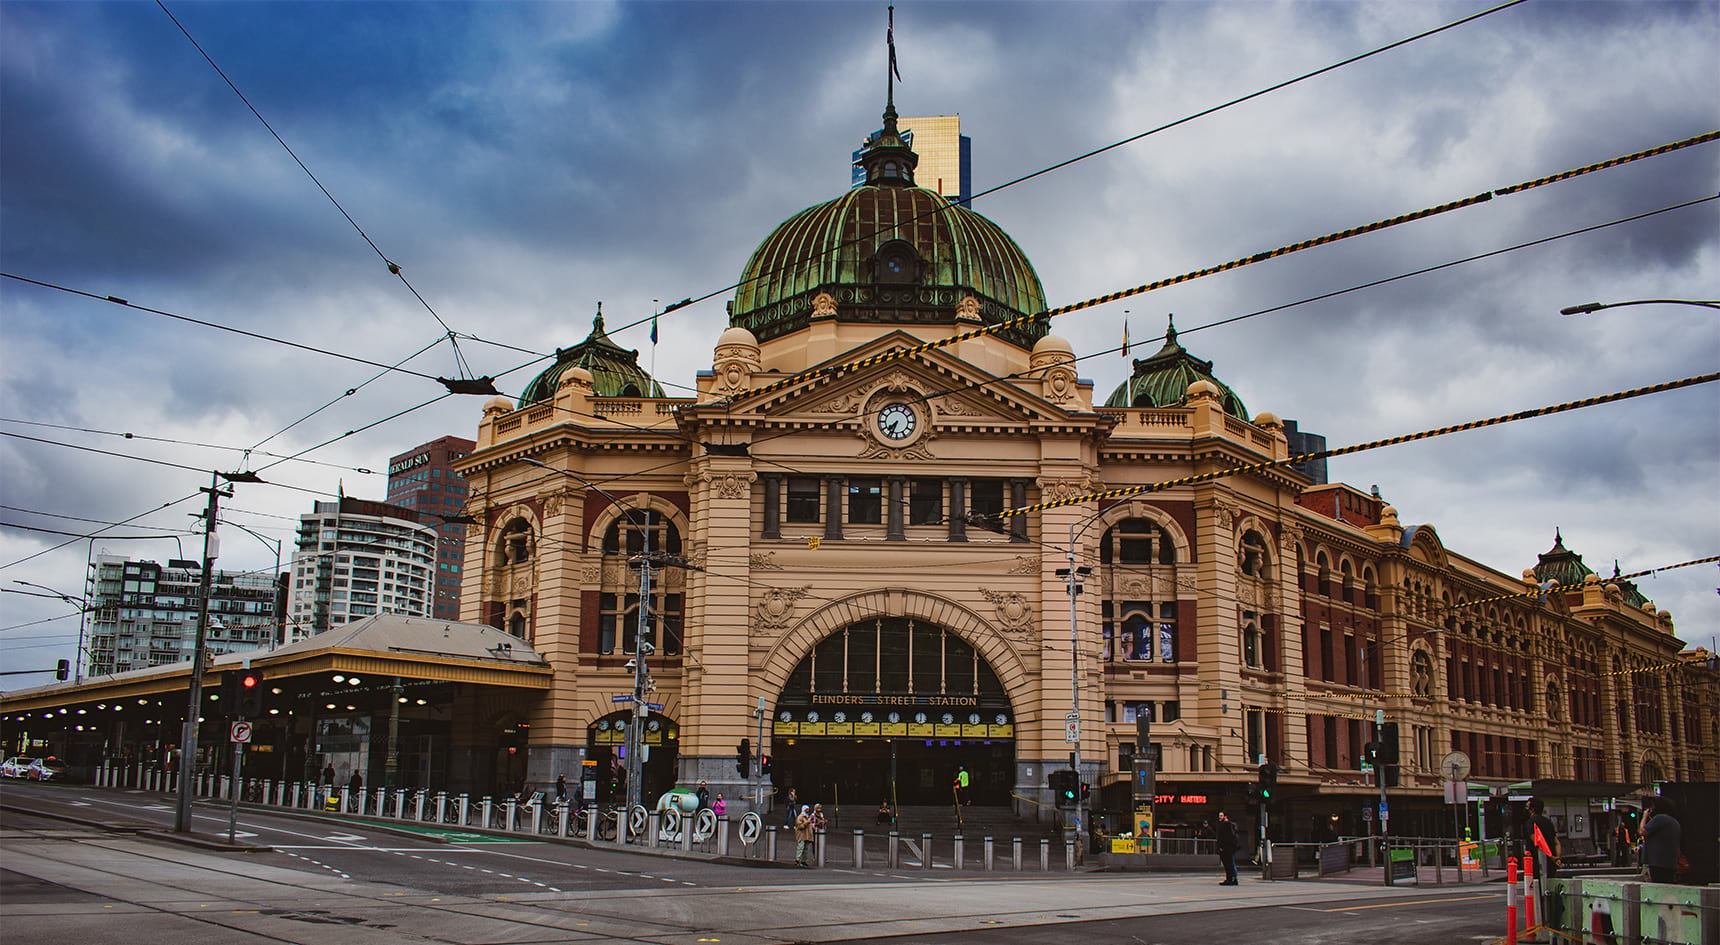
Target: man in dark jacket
1661,838
1228,843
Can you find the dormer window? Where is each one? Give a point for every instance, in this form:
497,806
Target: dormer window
897,263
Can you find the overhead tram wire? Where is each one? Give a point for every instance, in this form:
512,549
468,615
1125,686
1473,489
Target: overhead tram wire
158,462
348,393
1314,298
208,324
1097,151
91,521
991,329
98,534
1130,491
459,359
81,537
927,397
176,442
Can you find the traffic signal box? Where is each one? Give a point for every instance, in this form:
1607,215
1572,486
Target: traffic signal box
242,693
743,757
1268,783
1064,786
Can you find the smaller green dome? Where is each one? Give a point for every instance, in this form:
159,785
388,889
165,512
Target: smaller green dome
1163,379
615,371
1561,565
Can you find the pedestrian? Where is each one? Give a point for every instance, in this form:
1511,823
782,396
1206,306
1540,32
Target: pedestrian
718,807
819,821
561,789
793,809
328,774
885,814
1662,836
1543,838
1228,843
356,784
803,836
704,794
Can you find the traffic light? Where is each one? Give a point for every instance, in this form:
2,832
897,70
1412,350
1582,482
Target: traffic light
743,757
764,764
230,692
1085,802
1063,788
1268,780
1387,752
250,694
63,670
1370,754
1253,794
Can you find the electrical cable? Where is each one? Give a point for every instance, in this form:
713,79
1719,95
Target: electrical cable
161,462
1097,151
897,354
208,324
459,359
177,442
1360,447
92,521
350,391
123,521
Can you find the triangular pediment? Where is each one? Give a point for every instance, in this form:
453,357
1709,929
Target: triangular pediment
954,392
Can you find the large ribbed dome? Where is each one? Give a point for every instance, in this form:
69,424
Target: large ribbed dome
887,252
1163,379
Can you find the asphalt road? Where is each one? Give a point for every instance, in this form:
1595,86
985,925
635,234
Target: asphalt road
327,882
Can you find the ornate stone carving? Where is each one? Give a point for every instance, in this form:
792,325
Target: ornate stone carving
1226,514
877,450
1060,384
593,574
823,306
776,605
521,585
845,404
554,502
1056,490
731,485
1024,565
763,561
967,310
1014,613
951,407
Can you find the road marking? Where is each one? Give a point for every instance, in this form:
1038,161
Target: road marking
1413,902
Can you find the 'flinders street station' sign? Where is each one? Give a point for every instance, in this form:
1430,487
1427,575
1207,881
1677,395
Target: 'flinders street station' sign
884,715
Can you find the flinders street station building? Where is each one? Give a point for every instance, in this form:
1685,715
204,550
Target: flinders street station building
838,552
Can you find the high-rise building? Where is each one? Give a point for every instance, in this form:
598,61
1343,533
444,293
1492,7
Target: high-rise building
422,479
946,156
356,558
143,613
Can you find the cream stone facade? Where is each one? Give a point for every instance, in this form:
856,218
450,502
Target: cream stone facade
831,538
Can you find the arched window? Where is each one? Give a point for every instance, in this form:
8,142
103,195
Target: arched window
1137,541
1250,642
515,543
1256,558
635,523
1555,701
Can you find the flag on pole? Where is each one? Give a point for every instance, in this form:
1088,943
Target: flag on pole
1125,333
653,329
890,37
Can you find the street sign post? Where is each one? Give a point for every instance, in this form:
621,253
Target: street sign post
1072,728
241,732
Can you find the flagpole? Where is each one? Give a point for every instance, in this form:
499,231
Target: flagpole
656,307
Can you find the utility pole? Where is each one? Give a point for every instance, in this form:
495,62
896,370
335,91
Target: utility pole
188,741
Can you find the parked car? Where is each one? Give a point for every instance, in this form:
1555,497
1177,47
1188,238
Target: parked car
46,769
15,766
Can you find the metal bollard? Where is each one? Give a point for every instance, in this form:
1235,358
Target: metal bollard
926,851
296,787
960,851
591,816
1015,852
621,825
893,851
770,843
653,828
462,807
818,844
509,810
723,835
400,804
486,808
1069,855
1044,854
418,808
859,848
537,818
563,814
990,852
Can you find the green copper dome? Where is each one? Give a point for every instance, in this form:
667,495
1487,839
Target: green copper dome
615,370
1163,379
887,252
1560,565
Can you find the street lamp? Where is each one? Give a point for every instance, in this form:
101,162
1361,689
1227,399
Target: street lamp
275,601
1074,575
1588,307
635,733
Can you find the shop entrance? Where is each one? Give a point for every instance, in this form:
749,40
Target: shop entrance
892,708
908,771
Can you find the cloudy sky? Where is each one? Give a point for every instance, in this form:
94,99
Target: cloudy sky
523,162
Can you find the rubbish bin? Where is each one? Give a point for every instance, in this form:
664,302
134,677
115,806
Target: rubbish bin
332,805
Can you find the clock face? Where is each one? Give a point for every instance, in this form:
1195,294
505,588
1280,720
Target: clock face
897,421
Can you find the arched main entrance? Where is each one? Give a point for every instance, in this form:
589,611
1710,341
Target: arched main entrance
893,707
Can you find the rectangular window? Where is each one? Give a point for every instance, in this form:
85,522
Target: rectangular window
865,501
803,495
925,502
985,497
